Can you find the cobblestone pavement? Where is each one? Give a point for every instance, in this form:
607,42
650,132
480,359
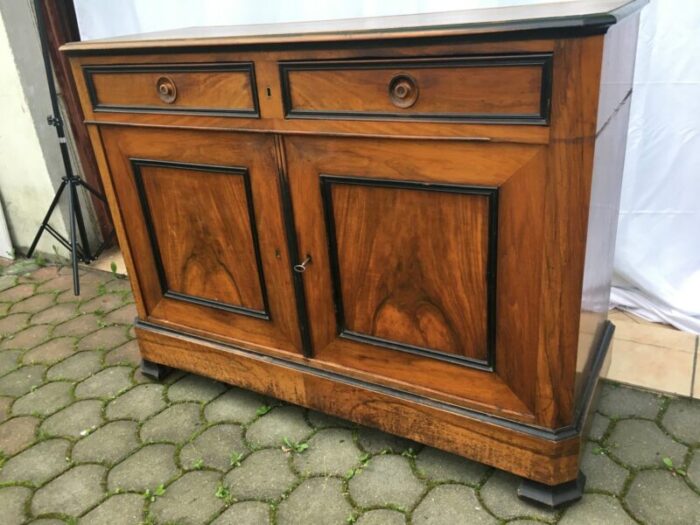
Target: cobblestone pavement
85,438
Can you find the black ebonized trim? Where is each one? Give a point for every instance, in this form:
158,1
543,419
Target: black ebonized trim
490,193
543,60
136,165
556,435
292,246
246,67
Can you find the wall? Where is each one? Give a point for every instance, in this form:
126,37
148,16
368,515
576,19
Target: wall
30,158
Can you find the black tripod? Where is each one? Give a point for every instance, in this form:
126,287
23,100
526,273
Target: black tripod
80,251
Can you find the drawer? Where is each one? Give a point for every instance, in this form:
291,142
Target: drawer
219,88
504,89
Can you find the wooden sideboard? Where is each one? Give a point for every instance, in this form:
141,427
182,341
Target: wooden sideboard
407,222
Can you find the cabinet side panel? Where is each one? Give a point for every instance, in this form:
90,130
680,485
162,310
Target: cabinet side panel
608,165
567,188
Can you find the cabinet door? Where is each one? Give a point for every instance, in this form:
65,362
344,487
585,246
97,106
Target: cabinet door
203,222
424,258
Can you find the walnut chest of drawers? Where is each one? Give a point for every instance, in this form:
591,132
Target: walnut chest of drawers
407,222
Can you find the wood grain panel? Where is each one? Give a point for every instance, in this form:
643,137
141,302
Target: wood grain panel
512,89
255,153
420,288
200,88
204,234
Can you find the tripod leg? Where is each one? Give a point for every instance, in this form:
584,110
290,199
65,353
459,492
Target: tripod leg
54,202
73,241
77,208
92,190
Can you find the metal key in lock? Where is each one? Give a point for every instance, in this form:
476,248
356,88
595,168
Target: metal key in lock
301,267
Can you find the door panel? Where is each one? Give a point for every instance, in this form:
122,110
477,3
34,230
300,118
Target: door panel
193,250
410,264
202,212
412,248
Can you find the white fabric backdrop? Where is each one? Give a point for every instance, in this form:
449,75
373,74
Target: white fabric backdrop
657,260
657,256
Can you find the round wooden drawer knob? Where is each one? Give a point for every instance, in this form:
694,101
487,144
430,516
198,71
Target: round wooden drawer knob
403,91
166,89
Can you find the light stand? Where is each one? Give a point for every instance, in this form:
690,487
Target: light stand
80,251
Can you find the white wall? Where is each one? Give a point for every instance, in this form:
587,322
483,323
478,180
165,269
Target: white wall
26,183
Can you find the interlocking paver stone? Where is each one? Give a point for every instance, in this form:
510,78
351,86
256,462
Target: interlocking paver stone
640,443
123,315
13,323
262,475
601,472
51,351
120,509
12,503
145,469
281,422
682,419
499,495
386,480
9,360
138,403
694,469
661,498
596,509
103,303
45,400
321,420
214,447
37,464
375,441
599,425
245,513
175,424
81,325
76,367
330,452
318,500
33,304
128,353
441,466
55,314
17,433
104,339
453,504
108,444
195,388
72,493
235,405
27,338
106,383
624,402
7,281
75,420
382,517
5,403
16,293
191,500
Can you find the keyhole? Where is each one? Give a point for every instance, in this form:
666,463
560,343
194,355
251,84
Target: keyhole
269,92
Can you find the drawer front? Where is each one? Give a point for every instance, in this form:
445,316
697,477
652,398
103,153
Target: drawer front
222,89
503,89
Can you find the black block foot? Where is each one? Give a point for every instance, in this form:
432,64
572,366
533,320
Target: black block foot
552,495
154,370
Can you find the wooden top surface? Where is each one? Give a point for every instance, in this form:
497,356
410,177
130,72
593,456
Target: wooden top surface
574,16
